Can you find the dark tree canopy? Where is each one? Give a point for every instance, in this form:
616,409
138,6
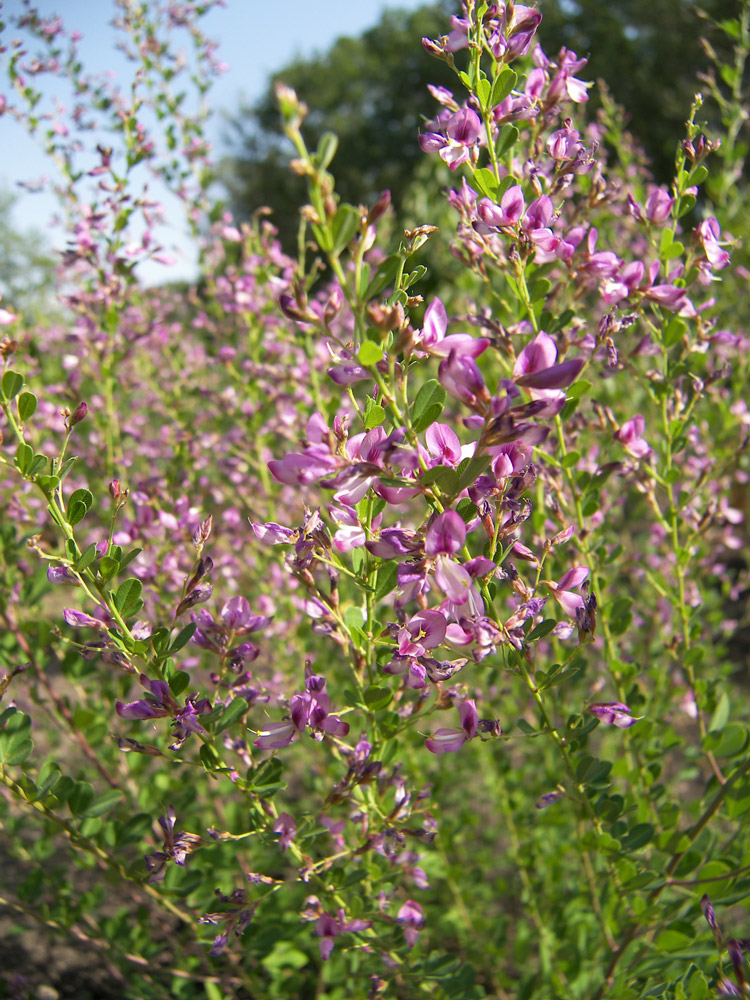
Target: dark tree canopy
372,92
649,54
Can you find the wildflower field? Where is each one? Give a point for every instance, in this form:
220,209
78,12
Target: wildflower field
373,610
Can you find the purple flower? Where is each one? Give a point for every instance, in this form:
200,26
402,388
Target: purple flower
446,534
503,216
177,847
460,131
443,445
61,574
562,590
629,435
658,206
411,917
328,928
709,232
445,537
548,798
613,713
159,703
79,619
432,337
272,533
285,825
460,375
276,735
710,914
449,740
536,369
236,613
424,631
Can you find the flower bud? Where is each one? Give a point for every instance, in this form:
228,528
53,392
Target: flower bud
77,415
380,207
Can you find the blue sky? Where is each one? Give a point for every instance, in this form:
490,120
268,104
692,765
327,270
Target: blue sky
255,38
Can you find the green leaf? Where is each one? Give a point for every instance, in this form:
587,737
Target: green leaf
323,238
640,835
578,389
183,637
179,682
129,557
354,617
86,558
103,804
428,405
24,458
345,226
503,85
26,405
416,275
79,505
47,779
109,567
384,277
387,580
685,205
48,483
12,384
15,740
76,512
374,415
369,353
327,146
469,469
542,629
209,757
213,992
127,598
729,742
721,714
160,641
485,182
484,92
539,289
675,938
363,281
267,779
467,509
80,798
378,697
232,713
38,463
506,139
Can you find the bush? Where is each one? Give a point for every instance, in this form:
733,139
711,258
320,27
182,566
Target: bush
359,645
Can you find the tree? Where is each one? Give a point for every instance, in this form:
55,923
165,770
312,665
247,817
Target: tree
27,270
648,52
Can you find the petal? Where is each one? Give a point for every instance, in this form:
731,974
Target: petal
445,741
446,534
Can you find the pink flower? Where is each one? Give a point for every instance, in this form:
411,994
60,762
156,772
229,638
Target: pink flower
562,590
285,825
411,917
327,928
613,713
629,435
449,740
